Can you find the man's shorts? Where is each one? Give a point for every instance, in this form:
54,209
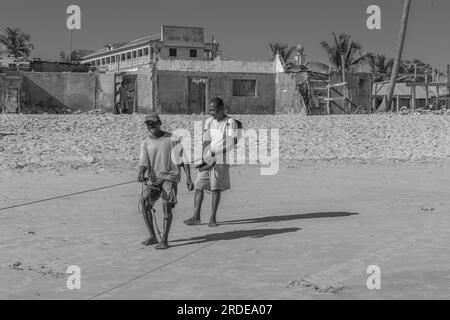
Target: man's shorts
216,179
167,191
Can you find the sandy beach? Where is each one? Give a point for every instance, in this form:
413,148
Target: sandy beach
309,232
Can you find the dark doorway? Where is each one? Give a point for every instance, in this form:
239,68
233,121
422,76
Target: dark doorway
197,95
130,84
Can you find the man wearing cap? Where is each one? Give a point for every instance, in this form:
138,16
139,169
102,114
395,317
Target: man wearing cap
219,138
161,156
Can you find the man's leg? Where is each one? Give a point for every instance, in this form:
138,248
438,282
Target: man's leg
220,182
202,183
169,196
168,217
216,195
198,201
148,218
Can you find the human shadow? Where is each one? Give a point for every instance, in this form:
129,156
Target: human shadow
317,215
233,235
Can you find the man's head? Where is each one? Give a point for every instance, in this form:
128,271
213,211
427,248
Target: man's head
153,123
216,108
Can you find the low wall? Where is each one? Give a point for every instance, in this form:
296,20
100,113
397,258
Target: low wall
59,91
145,90
104,99
287,99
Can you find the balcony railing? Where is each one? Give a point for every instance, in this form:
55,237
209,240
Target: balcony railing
119,65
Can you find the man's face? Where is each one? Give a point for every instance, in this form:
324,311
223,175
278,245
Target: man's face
214,111
153,127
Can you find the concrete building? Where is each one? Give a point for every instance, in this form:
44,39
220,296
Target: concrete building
186,86
185,43
174,72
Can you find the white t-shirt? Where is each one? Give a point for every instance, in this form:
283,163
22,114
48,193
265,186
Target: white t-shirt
220,133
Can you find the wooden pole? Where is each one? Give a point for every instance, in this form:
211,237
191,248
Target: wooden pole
448,87
398,102
427,98
70,48
438,94
343,80
413,98
328,100
374,98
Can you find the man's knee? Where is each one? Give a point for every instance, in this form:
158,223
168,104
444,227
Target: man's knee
167,208
146,203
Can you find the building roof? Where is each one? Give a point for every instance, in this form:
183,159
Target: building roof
124,45
402,90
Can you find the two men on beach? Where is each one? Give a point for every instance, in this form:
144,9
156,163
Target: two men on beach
161,158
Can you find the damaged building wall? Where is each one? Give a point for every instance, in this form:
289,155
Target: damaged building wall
145,90
10,91
105,92
175,95
288,98
59,92
186,86
69,92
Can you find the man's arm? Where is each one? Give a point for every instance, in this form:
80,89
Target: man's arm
187,170
141,176
183,161
143,162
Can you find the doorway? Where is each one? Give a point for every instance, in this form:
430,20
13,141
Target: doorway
197,90
130,85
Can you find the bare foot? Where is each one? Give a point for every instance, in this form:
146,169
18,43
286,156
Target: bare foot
192,222
162,246
149,242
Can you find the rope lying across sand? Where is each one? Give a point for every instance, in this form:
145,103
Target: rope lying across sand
67,195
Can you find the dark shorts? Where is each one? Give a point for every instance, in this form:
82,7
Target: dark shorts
166,191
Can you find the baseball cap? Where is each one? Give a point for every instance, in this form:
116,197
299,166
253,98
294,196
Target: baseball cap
152,117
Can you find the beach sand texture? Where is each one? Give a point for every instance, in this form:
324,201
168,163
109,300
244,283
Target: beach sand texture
352,191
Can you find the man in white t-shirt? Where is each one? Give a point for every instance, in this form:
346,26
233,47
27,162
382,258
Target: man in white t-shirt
218,140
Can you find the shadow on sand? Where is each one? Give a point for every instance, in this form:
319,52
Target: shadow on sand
317,215
233,235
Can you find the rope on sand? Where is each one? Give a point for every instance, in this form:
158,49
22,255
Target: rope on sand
67,195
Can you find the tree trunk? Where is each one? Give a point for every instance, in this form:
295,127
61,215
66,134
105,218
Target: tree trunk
385,105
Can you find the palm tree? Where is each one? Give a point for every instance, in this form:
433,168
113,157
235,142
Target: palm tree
344,52
283,50
16,43
75,56
380,65
401,42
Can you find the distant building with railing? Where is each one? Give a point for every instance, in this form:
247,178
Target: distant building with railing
184,43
